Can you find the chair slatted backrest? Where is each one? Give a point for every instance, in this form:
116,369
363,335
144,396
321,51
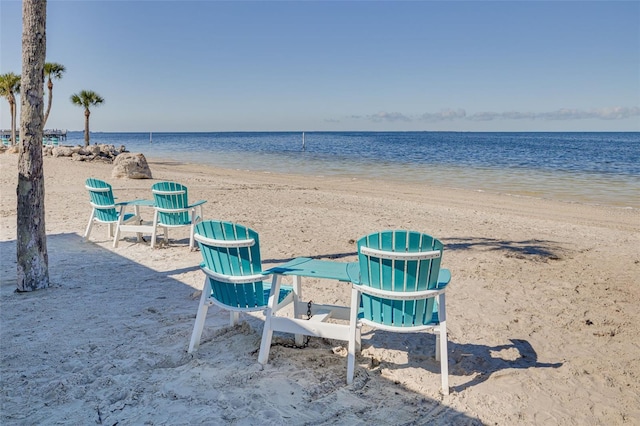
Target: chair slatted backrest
102,200
234,253
380,270
171,200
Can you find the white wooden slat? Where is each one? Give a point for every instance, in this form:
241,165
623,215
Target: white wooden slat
395,255
225,243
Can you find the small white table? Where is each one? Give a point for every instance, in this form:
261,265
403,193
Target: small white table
316,325
138,225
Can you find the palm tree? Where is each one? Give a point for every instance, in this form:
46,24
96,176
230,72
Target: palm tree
9,86
31,238
51,70
86,99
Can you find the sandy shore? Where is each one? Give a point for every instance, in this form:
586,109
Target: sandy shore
543,310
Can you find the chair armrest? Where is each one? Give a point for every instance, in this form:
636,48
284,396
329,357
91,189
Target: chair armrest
444,277
137,202
353,271
197,203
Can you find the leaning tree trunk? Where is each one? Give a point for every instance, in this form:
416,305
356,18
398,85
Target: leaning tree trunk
87,113
33,259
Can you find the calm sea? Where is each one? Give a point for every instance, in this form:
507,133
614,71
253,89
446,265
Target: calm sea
595,168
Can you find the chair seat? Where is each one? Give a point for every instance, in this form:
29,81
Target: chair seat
220,299
128,216
188,220
431,322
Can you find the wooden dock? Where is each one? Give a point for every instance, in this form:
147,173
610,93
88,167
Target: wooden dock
58,134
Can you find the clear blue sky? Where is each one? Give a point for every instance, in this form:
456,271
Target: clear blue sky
338,65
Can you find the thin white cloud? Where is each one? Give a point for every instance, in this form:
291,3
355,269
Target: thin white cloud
388,116
485,116
444,115
612,113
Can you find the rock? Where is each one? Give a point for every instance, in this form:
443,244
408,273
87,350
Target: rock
131,166
91,150
79,157
64,151
13,149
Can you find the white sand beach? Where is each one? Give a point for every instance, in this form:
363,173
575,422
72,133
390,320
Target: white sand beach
543,313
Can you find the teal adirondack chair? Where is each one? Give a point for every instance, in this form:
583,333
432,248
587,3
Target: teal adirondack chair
400,288
172,210
234,279
104,209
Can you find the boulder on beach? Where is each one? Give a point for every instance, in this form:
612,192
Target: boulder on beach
132,166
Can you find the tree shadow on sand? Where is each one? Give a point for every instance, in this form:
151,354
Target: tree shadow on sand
544,249
329,256
478,362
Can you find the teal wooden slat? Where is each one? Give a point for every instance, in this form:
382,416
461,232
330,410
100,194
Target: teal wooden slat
256,259
220,254
413,245
399,276
243,254
386,275
435,265
375,271
236,232
365,279
231,265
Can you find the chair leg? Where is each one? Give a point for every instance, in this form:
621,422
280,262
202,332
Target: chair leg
154,233
444,358
267,332
117,235
191,236
353,334
233,318
201,316
89,225
442,344
297,295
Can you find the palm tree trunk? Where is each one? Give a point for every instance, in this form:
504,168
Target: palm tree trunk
33,258
46,114
12,107
87,113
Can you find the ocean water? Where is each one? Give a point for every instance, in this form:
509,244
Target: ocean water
593,168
